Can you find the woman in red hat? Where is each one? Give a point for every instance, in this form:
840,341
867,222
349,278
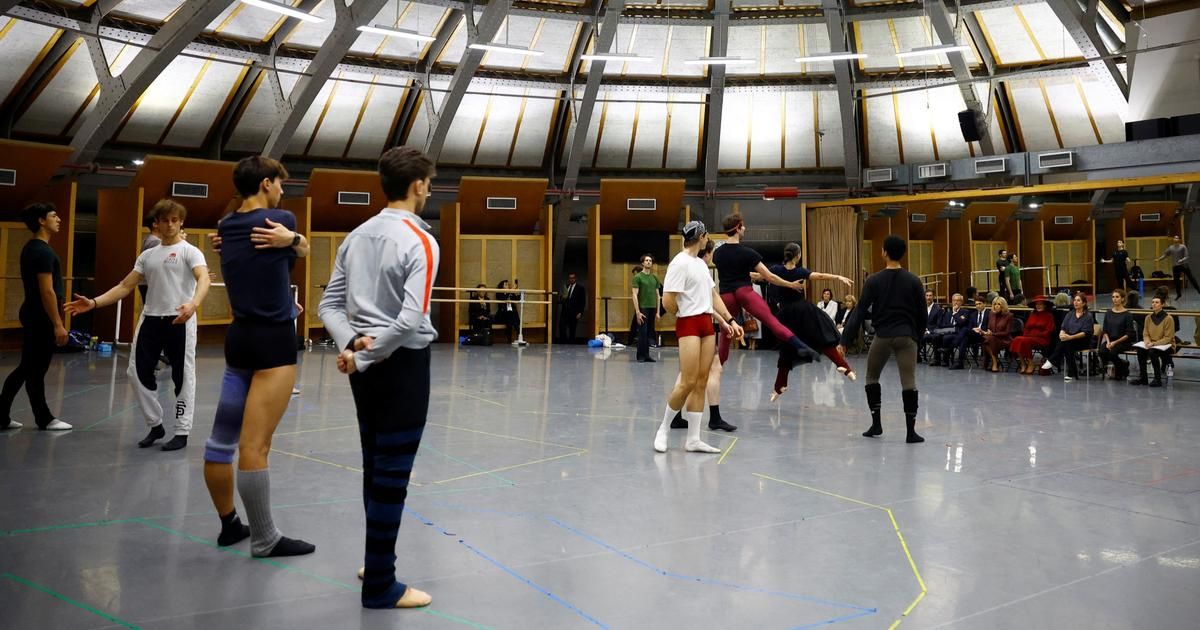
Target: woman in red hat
1038,331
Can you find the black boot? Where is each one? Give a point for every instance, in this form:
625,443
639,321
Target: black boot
874,402
910,415
157,432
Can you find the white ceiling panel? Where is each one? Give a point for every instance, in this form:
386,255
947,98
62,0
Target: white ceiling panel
915,32
616,134
649,146
149,10
1071,113
246,22
735,131
772,4
916,126
945,103
882,143
161,100
1007,36
814,40
557,39
687,42
457,45
20,44
377,120
766,131
684,121
205,104
746,42
781,48
464,130
310,34
254,125
875,39
1110,113
340,115
1033,119
1049,32
832,152
501,128
801,148
647,40
62,97
308,124
535,130
554,38
422,18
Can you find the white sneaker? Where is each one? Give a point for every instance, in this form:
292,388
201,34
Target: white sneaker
57,425
295,391
13,424
1068,379
1170,371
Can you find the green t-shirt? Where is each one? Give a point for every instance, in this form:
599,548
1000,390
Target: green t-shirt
1014,277
647,287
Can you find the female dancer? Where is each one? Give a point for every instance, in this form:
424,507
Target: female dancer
734,263
688,292
804,318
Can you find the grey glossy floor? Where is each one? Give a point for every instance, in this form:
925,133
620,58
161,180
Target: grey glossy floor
538,503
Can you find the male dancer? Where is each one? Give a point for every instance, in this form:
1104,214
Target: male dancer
41,324
690,294
259,245
893,296
377,309
177,282
1178,252
712,389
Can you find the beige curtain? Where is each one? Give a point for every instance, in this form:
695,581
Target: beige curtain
834,238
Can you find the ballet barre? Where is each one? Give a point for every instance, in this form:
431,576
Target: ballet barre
520,342
117,332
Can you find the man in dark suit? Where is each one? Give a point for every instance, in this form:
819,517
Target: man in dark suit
945,337
933,317
574,303
972,333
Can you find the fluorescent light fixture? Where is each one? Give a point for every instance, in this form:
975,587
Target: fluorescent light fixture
285,9
720,61
932,50
1034,205
400,33
619,57
138,162
831,56
506,49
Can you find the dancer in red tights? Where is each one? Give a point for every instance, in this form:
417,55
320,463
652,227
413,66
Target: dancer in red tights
734,262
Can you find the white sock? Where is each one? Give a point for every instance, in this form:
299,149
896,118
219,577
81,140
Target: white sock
664,429
693,443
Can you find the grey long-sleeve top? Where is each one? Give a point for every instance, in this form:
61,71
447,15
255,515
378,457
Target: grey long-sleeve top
380,287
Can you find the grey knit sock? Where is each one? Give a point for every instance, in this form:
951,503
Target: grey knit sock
255,488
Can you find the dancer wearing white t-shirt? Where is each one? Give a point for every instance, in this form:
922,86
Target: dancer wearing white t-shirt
690,294
177,279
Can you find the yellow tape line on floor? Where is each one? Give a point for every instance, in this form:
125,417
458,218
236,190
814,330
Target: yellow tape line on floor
903,545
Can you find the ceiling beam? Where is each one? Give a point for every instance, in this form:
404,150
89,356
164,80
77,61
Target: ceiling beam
118,96
489,24
836,25
221,131
333,50
18,101
1082,28
582,120
417,91
716,96
940,19
985,52
559,126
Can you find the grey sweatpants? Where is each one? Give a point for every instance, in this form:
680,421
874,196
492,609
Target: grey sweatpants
882,349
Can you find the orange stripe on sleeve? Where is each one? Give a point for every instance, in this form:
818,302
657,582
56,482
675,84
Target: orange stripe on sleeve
428,261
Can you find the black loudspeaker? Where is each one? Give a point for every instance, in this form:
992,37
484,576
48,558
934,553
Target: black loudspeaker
1147,129
968,120
1185,125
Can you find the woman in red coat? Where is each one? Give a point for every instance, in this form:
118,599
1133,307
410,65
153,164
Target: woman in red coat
998,335
1039,329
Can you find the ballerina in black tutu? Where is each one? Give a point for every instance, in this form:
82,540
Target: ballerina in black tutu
804,319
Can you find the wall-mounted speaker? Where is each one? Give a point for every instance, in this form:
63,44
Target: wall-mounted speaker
968,121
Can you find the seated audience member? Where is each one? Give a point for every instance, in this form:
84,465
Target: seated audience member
972,334
843,316
933,318
946,327
827,304
1039,329
969,296
1074,335
1133,299
1158,342
959,319
1168,361
998,336
479,313
1117,337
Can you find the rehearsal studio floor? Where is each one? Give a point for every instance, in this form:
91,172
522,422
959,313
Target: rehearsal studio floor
538,502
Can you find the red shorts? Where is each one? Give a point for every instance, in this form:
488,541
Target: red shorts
694,326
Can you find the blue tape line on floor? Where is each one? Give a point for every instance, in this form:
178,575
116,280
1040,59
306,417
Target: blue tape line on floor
534,585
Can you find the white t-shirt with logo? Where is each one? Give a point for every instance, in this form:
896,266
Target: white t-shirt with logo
689,277
170,282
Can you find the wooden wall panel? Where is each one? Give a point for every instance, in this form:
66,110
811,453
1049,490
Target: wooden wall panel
477,219
448,317
118,227
327,215
1032,255
35,164
668,194
301,272
875,230
158,172
1169,224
